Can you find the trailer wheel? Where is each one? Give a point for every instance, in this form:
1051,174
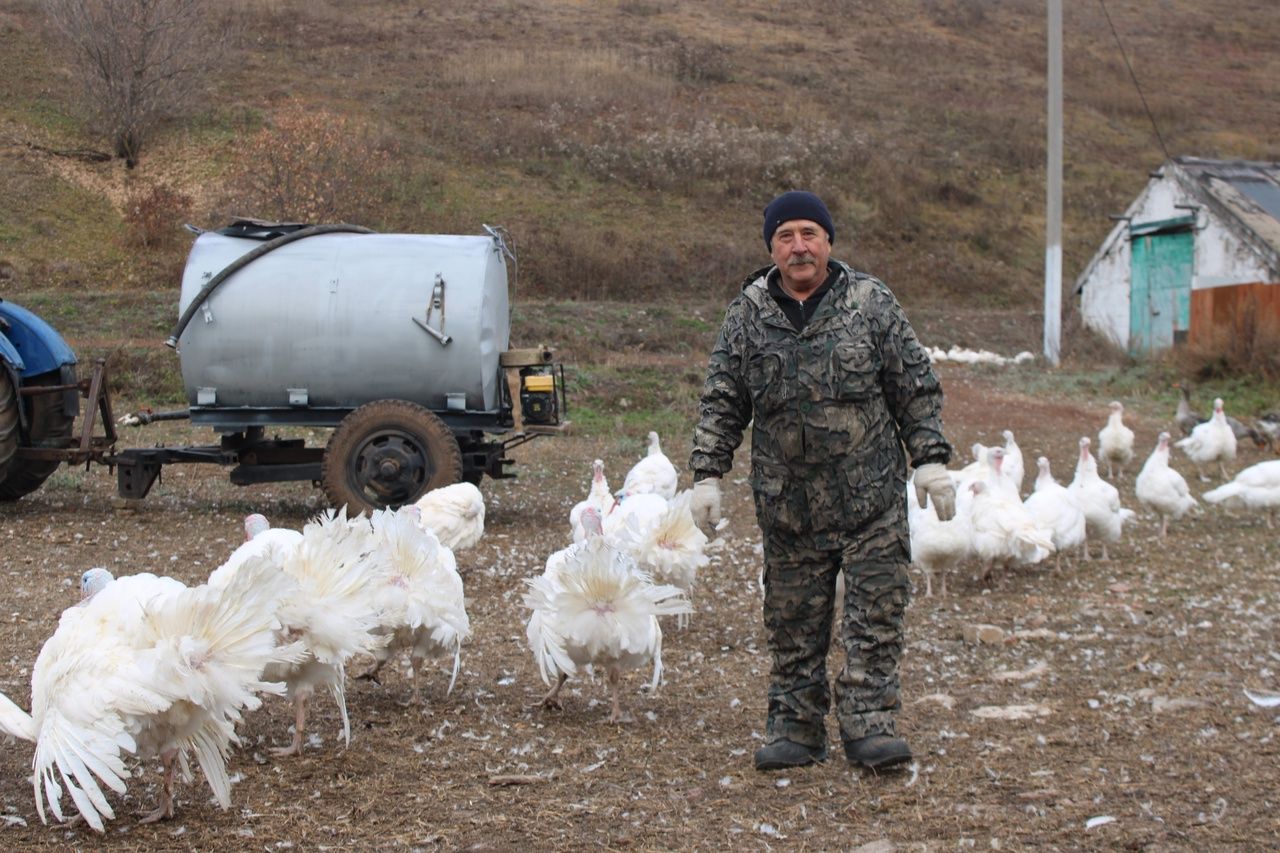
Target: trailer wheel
50,426
8,421
386,454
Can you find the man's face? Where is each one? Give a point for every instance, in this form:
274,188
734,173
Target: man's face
801,248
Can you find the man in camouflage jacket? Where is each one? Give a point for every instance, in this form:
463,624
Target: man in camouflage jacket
822,361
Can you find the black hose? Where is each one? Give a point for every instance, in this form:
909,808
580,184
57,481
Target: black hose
249,257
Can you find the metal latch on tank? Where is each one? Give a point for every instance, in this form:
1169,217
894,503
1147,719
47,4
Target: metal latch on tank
436,304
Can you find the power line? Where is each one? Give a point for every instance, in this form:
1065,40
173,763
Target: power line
1134,77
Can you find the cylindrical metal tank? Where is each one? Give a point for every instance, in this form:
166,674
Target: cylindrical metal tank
338,320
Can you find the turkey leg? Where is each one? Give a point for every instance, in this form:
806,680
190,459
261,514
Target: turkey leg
299,723
552,699
616,715
164,811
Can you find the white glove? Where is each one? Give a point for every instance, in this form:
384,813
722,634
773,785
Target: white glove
933,481
705,504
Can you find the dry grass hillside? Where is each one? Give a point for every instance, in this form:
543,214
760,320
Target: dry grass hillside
630,144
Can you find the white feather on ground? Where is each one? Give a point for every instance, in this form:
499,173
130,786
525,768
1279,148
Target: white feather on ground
421,602
598,608
455,514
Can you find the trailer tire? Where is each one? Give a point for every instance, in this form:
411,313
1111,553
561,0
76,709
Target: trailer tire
8,421
49,426
388,453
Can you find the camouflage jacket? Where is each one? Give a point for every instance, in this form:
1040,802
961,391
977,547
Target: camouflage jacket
832,405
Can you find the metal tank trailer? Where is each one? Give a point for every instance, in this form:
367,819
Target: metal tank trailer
399,342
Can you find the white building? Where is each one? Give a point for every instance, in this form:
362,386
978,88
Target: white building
1196,254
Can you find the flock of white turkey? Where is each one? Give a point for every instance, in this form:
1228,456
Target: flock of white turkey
996,526
147,667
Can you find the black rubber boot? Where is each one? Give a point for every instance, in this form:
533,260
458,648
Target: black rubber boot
782,754
876,752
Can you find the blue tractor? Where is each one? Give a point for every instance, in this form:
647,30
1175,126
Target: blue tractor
39,400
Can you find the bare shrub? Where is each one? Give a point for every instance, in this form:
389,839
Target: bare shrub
701,62
579,82
309,164
958,14
710,153
139,60
154,214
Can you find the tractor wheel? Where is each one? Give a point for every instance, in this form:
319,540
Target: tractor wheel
388,453
50,426
8,421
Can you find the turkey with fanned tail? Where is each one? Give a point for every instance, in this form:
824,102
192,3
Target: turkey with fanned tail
596,607
146,666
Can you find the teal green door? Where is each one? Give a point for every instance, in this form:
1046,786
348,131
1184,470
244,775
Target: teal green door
1160,290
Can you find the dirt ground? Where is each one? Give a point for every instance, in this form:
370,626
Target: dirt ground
1131,672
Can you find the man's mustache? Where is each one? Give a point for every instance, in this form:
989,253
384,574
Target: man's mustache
802,259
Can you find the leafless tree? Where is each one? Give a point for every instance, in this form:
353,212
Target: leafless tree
139,60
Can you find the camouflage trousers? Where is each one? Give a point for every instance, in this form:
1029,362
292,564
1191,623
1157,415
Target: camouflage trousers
799,601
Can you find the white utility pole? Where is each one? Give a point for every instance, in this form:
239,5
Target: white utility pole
1053,209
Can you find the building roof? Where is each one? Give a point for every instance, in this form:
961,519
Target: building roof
1244,195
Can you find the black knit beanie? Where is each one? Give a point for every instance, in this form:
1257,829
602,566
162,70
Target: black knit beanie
796,204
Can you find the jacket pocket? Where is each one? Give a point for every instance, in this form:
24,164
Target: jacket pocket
766,381
780,499
855,370
871,482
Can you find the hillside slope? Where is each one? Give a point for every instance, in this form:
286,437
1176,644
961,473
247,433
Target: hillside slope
629,145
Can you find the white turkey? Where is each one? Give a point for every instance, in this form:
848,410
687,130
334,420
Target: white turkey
654,474
638,512
260,538
1209,442
1162,488
148,667
672,549
1104,517
1115,441
333,612
937,547
422,607
1004,533
1053,508
455,514
597,608
974,471
1013,467
1256,487
598,497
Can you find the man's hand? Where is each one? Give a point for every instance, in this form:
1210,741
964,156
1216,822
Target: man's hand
705,504
933,481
